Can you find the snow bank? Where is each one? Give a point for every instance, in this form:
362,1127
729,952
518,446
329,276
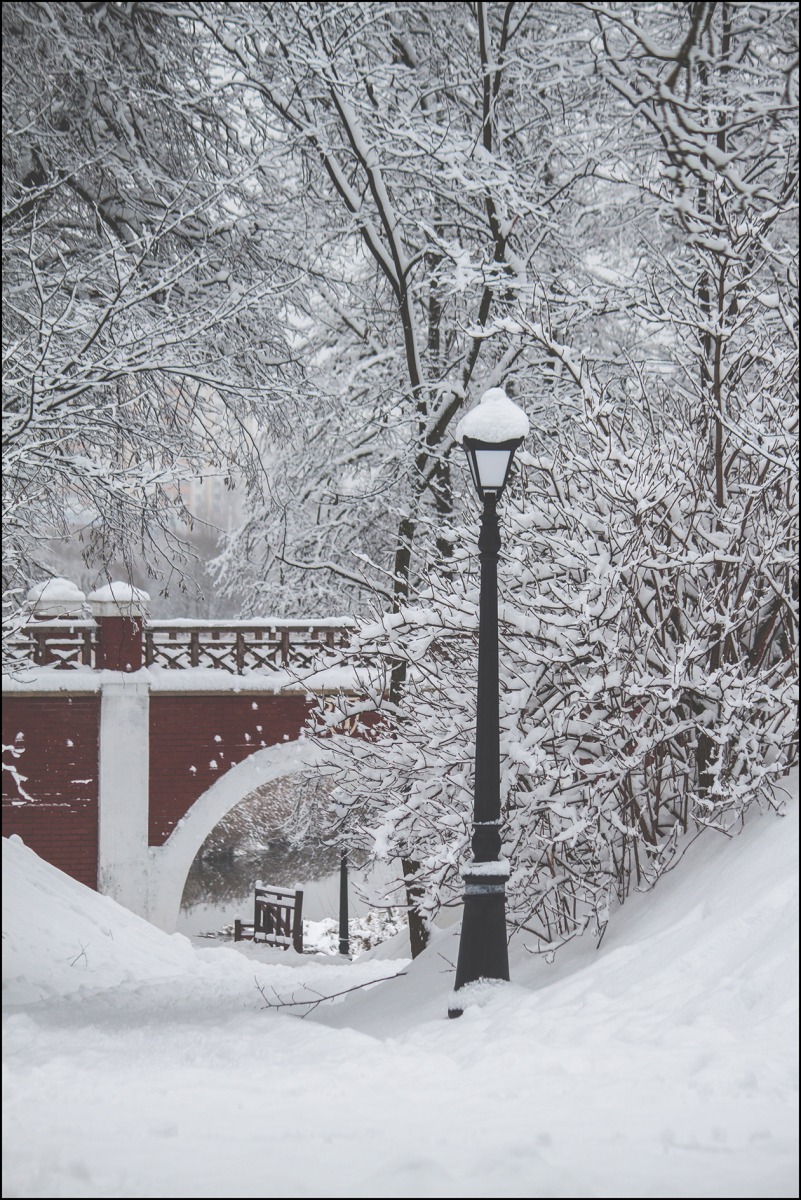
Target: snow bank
60,937
662,1064
717,936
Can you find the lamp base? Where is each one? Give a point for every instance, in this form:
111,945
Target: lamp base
483,952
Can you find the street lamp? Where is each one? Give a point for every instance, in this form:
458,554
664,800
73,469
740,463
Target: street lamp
490,434
344,936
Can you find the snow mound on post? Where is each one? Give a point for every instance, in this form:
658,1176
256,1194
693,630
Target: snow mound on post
119,593
61,937
495,418
55,590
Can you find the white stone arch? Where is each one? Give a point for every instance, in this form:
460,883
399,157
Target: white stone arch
170,863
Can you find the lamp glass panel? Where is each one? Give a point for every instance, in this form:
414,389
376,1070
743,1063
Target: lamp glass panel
492,466
472,467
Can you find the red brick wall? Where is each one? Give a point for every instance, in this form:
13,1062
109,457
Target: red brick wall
60,736
196,739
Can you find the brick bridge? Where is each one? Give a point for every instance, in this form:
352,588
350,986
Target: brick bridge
132,739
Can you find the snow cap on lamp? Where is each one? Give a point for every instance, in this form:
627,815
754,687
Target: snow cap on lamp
490,433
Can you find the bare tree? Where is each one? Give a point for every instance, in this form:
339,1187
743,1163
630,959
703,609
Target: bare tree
136,347
430,189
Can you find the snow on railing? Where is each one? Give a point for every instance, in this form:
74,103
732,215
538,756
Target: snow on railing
232,646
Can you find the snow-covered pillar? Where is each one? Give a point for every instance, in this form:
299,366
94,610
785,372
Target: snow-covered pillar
56,599
59,598
119,610
123,858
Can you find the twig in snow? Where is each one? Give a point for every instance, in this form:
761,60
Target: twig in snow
312,1004
82,955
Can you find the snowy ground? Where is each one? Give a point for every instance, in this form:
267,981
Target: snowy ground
664,1064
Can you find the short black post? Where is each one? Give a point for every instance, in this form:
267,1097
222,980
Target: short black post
483,952
344,937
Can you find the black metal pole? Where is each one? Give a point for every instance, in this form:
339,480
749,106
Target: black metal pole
344,936
483,952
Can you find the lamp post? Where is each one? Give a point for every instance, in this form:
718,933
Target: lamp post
490,434
344,937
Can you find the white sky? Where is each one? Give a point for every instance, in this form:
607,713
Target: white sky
663,1064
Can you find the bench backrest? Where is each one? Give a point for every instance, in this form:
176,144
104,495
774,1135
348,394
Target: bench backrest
278,917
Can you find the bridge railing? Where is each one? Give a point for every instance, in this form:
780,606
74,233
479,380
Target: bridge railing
70,643
241,646
232,646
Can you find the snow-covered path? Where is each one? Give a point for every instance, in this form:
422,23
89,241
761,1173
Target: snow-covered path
664,1064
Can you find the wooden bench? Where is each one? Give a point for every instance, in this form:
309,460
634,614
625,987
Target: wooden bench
277,919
